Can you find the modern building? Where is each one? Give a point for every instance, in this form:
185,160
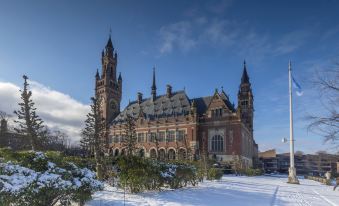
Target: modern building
175,126
306,164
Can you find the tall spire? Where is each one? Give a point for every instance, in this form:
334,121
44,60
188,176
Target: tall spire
245,78
154,87
109,42
97,74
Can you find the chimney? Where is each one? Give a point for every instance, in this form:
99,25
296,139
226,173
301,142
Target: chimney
169,91
139,97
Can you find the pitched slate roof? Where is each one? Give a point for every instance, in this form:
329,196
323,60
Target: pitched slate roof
177,105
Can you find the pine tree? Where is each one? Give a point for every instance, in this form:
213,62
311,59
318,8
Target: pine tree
29,123
87,143
94,131
129,138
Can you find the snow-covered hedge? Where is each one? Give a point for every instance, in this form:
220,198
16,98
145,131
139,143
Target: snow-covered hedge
35,180
139,174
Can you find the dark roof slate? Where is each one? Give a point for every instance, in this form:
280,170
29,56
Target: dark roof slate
177,105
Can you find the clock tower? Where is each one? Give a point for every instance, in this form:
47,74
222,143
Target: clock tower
108,87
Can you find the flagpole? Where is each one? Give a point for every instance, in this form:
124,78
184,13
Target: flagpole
292,176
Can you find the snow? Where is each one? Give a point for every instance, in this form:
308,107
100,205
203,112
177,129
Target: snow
230,190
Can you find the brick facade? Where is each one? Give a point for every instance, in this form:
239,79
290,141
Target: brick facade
174,126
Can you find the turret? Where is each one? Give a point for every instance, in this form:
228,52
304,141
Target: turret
245,100
154,87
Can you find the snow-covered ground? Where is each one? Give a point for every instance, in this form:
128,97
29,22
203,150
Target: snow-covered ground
231,190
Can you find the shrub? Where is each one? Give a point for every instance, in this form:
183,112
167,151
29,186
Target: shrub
139,174
35,180
177,175
252,172
214,174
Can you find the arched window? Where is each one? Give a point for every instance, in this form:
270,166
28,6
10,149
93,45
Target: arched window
171,154
153,153
162,154
141,153
217,143
116,152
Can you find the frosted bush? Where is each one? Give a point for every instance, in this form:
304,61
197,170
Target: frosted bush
21,185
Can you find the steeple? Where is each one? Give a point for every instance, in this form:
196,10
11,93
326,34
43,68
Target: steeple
108,87
245,78
119,78
245,101
154,87
97,76
109,42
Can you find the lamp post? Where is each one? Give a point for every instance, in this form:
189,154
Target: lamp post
292,174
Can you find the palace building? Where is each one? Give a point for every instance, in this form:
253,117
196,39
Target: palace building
174,126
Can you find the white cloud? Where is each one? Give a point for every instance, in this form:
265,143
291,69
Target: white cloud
177,35
291,41
58,110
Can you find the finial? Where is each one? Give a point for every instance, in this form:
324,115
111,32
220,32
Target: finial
222,88
289,65
110,31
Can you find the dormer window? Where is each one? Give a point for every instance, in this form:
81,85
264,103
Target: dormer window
216,112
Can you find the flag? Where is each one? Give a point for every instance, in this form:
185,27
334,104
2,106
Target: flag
297,86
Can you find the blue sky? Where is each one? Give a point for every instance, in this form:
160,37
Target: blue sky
196,45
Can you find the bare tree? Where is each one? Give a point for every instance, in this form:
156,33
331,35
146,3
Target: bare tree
327,124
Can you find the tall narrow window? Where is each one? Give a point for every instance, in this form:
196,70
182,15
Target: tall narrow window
161,136
170,136
217,143
180,135
141,137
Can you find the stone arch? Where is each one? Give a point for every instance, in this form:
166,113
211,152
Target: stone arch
116,152
162,154
153,153
171,154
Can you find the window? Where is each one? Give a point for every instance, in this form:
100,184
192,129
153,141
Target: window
217,143
180,135
116,139
153,153
216,112
170,136
162,154
171,154
161,136
153,136
141,137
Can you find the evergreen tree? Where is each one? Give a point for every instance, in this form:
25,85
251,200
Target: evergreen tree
129,138
87,143
95,130
29,123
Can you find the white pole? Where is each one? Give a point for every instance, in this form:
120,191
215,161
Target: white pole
292,177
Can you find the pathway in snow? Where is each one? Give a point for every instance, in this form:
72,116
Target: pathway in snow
231,190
